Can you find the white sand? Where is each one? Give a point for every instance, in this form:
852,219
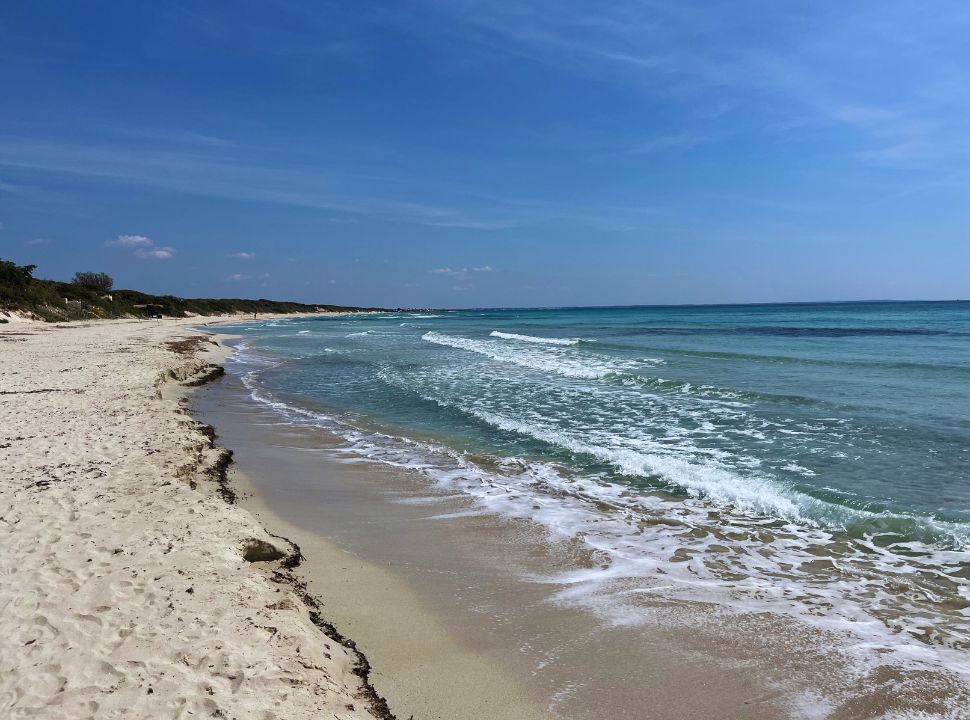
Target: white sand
123,590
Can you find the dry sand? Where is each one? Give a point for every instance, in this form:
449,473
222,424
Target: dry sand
124,588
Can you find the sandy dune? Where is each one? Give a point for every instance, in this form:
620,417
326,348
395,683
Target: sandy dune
124,591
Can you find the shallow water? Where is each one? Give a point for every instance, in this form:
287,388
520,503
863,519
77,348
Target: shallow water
803,459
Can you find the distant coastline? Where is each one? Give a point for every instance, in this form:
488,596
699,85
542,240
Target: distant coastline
24,296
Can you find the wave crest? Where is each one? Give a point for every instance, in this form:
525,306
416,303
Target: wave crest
533,339
542,359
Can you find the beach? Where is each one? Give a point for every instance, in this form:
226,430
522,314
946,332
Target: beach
131,587
315,569
509,360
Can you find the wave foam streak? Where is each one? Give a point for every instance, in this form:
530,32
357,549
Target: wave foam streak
548,360
532,339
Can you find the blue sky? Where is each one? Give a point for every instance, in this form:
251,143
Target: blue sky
501,153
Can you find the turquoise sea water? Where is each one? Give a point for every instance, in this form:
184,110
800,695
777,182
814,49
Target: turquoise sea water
813,459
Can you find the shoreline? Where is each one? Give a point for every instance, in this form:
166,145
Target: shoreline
130,583
766,665
436,593
421,667
447,561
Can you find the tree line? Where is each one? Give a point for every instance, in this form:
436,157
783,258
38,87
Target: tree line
87,296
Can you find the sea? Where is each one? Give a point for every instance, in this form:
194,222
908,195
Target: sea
811,460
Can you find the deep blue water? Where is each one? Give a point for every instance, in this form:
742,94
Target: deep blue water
844,427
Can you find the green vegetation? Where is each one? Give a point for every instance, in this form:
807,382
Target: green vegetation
94,280
87,298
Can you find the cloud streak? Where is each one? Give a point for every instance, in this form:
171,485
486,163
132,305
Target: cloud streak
889,75
237,176
216,176
242,277
130,241
461,272
144,247
158,253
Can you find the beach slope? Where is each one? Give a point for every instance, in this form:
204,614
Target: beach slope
129,586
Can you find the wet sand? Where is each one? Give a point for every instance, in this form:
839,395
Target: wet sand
449,603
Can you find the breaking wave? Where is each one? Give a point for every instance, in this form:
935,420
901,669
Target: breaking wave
532,339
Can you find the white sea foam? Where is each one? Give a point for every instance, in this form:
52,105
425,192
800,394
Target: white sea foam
666,438
532,339
753,495
716,546
544,359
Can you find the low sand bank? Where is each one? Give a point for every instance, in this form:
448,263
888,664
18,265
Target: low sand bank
124,585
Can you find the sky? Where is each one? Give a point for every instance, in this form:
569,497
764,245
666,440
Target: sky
457,153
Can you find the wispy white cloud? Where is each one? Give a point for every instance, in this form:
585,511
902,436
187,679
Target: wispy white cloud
890,76
155,253
885,81
36,241
683,141
461,272
178,138
144,247
241,277
473,224
242,255
234,176
130,241
218,176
